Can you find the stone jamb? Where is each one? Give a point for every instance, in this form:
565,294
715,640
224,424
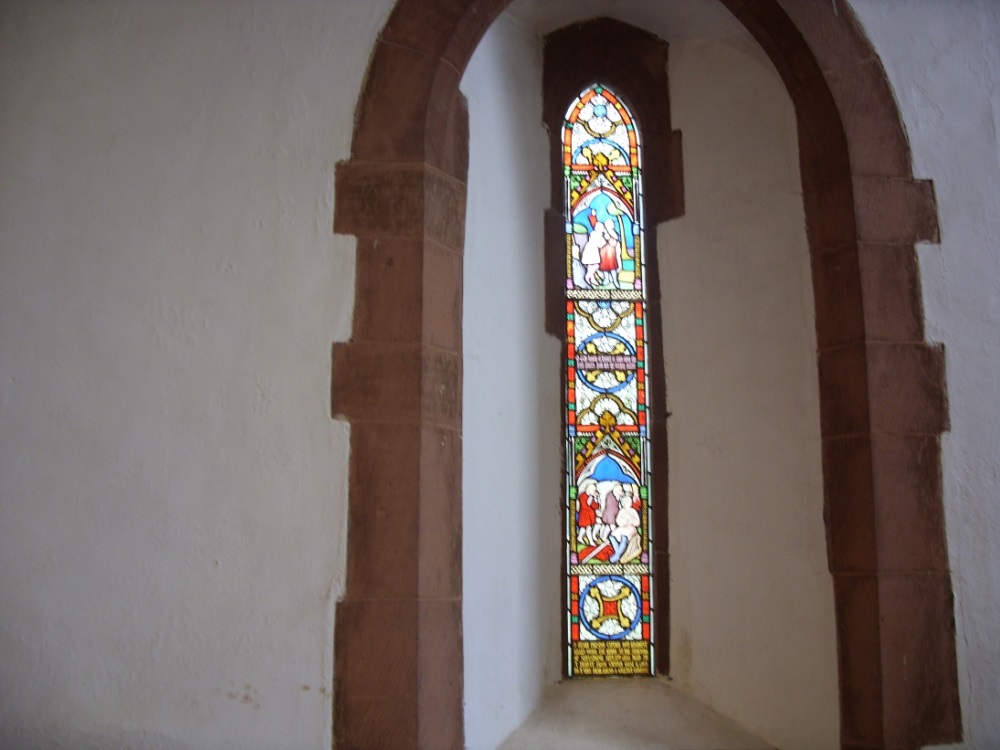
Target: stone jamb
882,390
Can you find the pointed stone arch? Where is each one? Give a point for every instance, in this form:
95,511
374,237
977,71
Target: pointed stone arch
882,394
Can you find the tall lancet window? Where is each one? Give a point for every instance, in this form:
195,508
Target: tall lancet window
609,606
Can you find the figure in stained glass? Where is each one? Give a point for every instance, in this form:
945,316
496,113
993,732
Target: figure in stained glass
588,503
608,547
603,236
624,537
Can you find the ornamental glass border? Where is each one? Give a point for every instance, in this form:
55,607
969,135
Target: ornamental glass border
609,599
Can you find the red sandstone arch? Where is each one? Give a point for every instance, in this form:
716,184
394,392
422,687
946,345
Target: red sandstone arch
882,394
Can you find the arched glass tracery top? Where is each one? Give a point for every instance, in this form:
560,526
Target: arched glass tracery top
609,606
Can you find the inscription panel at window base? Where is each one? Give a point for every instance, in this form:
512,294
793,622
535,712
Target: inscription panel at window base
609,607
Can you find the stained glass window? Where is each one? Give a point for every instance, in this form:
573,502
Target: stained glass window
609,607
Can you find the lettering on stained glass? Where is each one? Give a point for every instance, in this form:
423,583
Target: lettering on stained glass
609,608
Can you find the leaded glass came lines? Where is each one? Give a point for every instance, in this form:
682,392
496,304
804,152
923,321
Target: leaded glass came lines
609,606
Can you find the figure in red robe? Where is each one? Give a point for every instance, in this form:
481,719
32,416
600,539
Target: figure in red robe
588,502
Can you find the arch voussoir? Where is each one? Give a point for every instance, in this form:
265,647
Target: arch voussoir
398,673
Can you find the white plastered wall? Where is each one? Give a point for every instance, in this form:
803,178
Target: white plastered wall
752,609
752,618
169,288
172,487
511,480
